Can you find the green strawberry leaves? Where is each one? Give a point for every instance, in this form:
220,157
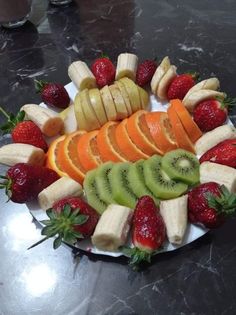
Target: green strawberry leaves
12,120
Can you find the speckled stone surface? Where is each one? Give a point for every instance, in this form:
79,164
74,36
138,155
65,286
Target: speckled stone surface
199,279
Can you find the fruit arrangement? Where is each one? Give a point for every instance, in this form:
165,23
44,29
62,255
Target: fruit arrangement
128,171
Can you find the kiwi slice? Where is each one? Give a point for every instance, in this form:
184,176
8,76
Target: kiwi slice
91,192
120,186
159,182
137,183
181,165
103,183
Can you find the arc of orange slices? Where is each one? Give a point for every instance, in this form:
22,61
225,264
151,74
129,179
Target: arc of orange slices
68,156
53,160
181,136
190,126
107,144
139,133
161,131
126,145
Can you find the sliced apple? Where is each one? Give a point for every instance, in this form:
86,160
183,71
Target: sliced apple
89,113
70,121
159,73
165,82
119,102
125,96
97,104
108,103
132,90
144,98
79,114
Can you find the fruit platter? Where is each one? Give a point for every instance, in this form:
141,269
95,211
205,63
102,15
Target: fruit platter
133,159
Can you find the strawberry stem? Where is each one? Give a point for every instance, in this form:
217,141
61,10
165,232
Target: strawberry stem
4,113
39,85
225,203
137,256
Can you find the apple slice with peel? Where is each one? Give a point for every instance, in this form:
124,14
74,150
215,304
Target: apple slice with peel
108,103
97,104
70,121
79,114
89,113
144,98
119,102
133,93
125,96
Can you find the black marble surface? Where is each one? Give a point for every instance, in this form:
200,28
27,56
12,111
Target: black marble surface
198,279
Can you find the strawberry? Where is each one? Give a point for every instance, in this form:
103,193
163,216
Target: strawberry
23,182
180,85
148,231
210,204
223,153
145,72
53,94
23,131
104,71
70,219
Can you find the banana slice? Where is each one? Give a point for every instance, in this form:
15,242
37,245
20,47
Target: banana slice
218,173
125,96
208,84
119,102
200,96
213,137
108,103
132,90
81,75
54,192
89,113
112,229
11,154
49,122
79,114
159,73
144,97
165,82
70,122
97,104
126,66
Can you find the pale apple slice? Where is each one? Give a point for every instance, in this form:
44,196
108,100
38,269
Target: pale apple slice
108,103
88,111
79,114
165,82
159,73
132,90
119,102
97,104
125,96
70,121
144,98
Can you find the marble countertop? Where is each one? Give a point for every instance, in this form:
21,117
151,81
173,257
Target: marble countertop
198,279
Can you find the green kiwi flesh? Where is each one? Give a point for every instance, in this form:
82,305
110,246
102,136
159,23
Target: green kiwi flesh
159,182
103,183
181,165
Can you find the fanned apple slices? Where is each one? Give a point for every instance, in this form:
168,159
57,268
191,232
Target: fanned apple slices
94,107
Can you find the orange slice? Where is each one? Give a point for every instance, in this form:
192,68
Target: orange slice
107,144
87,149
161,131
53,161
68,156
190,126
139,133
126,145
181,136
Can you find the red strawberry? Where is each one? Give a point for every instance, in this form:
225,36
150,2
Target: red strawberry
53,94
145,72
223,153
210,204
70,219
104,71
23,182
210,114
148,231
23,131
180,85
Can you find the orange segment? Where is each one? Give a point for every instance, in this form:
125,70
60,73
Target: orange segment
190,126
53,161
87,149
139,133
161,131
180,134
126,145
107,144
69,159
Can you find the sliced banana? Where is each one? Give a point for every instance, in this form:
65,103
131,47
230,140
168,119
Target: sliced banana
108,103
89,113
125,96
159,73
112,229
200,96
119,102
97,104
133,93
79,114
49,122
208,84
11,154
218,173
165,82
81,75
126,66
213,137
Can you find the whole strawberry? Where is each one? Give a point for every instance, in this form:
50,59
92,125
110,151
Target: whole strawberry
223,153
148,232
53,94
23,131
180,85
70,219
211,113
104,71
145,72
23,182
210,204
